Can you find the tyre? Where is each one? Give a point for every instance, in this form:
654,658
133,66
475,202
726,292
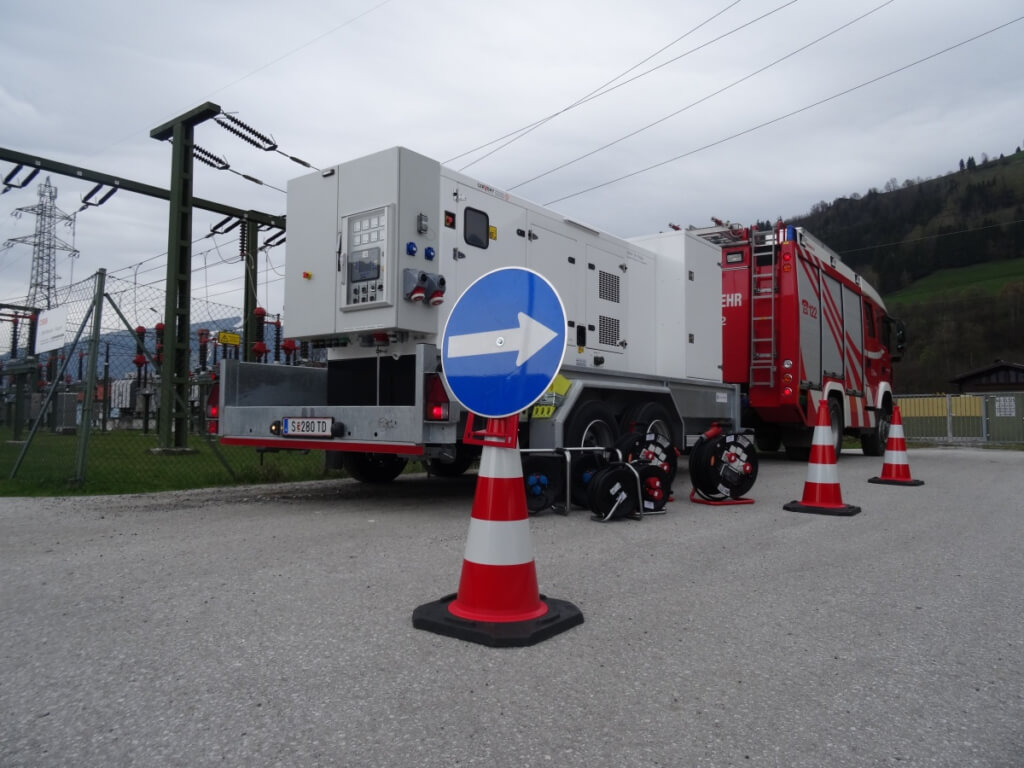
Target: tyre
768,439
652,417
835,416
873,443
464,457
592,425
374,467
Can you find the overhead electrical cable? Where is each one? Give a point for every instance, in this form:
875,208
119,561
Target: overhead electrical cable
520,133
269,64
786,116
932,237
608,88
700,100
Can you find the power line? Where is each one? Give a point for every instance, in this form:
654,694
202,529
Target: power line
521,132
932,237
785,116
272,62
702,99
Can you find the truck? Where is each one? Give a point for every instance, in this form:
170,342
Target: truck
379,249
800,326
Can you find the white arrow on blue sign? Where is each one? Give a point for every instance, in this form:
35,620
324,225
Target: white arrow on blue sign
504,341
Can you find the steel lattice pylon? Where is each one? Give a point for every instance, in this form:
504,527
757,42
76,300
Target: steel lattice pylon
42,288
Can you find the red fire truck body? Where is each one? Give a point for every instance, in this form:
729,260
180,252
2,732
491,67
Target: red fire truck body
799,325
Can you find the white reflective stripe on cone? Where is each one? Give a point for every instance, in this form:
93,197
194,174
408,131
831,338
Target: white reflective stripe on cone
495,542
896,457
500,462
822,436
823,474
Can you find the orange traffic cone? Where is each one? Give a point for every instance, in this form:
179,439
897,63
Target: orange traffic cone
895,467
821,491
498,602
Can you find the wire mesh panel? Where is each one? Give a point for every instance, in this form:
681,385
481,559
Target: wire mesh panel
121,446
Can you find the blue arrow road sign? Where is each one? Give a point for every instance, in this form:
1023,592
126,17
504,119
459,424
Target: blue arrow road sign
503,343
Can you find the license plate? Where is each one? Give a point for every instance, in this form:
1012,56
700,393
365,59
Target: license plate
307,426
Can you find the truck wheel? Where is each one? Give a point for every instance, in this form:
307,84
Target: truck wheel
464,456
592,425
873,443
374,467
652,417
768,439
835,415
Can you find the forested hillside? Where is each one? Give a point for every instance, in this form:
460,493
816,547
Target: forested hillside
964,316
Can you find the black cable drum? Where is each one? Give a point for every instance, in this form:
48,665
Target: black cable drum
723,466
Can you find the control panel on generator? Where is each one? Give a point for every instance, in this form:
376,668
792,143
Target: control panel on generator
363,244
364,256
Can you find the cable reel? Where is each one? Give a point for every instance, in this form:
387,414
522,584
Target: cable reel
723,467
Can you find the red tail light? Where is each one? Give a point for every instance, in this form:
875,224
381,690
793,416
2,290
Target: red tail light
436,401
213,409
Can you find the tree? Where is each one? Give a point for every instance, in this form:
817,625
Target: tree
971,164
962,161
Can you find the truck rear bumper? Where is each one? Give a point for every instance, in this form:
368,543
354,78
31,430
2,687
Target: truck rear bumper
403,449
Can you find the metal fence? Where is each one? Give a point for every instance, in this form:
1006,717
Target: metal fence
996,417
64,428
46,446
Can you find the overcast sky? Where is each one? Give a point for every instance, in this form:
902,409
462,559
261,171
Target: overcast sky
84,83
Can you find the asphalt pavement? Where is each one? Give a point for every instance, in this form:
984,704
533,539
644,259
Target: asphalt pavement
271,626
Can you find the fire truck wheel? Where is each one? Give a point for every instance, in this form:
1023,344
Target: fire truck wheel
873,443
835,416
768,439
374,467
592,425
652,417
798,452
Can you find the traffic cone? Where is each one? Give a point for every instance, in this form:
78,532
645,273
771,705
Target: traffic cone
821,491
498,602
895,467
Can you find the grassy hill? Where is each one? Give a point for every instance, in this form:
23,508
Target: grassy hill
988,279
948,256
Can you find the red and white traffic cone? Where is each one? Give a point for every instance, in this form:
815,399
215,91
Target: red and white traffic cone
822,494
895,467
498,602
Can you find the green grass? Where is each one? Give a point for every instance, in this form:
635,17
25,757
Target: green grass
123,462
989,278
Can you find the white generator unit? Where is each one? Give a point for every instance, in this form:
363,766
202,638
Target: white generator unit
379,249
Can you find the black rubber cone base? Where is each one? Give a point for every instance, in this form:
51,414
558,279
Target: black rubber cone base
845,510
435,617
882,481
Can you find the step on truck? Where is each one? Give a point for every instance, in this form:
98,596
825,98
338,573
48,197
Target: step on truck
379,249
798,326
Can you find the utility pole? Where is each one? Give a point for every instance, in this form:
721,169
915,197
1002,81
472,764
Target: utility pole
174,374
42,286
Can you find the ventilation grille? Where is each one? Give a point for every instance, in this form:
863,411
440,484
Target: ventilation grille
608,286
608,330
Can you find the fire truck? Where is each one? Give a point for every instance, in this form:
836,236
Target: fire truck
799,326
379,249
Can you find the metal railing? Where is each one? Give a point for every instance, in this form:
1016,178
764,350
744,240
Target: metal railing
991,417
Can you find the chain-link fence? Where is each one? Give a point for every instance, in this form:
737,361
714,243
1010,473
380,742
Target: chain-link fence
64,428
